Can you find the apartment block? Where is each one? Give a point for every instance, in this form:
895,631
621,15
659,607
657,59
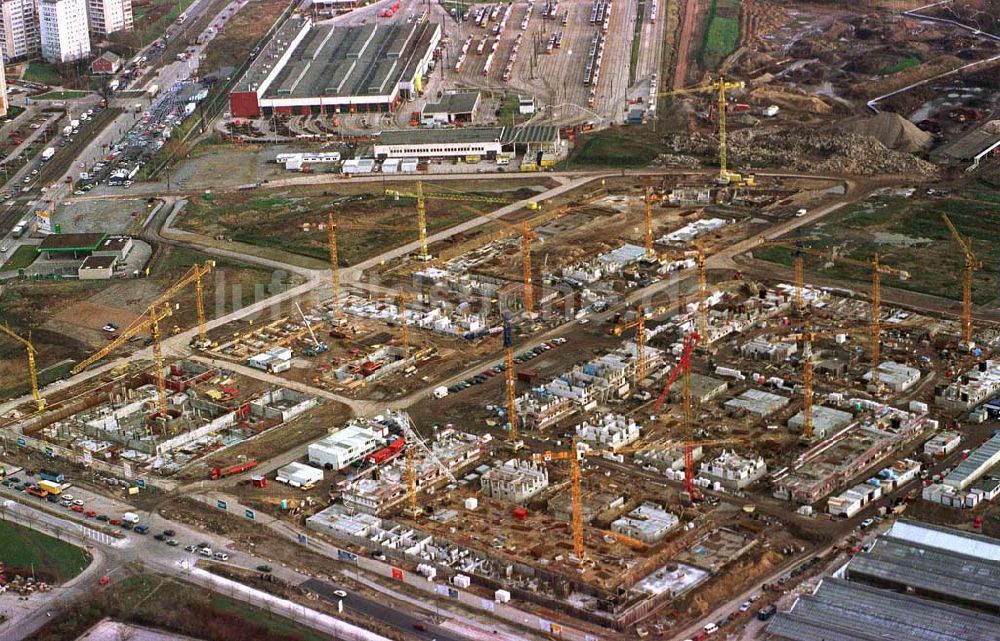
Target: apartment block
63,30
18,29
109,16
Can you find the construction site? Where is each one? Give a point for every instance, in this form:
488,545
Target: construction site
618,401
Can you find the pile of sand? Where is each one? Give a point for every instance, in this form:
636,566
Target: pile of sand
892,130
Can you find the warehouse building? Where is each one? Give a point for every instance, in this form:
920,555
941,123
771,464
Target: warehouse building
451,108
842,610
896,376
978,463
757,402
533,141
826,421
934,562
300,475
310,68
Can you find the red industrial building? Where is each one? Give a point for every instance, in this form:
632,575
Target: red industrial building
323,69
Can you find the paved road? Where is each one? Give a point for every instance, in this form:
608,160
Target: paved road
176,561
28,616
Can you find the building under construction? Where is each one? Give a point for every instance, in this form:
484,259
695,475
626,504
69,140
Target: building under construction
207,409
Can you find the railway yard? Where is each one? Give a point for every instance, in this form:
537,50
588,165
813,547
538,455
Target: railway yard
431,332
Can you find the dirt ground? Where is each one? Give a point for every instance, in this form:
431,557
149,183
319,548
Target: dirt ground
240,34
65,318
307,428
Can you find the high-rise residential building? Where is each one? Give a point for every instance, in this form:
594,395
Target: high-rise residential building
18,29
109,16
3,92
63,29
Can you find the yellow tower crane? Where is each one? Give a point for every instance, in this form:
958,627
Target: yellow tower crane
720,86
510,388
193,275
703,294
574,454
151,323
640,342
32,370
412,509
648,219
878,268
401,299
972,264
808,336
331,242
332,227
421,198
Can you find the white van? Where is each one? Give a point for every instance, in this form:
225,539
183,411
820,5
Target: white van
711,628
130,517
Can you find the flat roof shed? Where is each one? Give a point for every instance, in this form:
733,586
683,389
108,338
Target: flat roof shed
73,245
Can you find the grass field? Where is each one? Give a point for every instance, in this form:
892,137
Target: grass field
25,550
60,95
42,72
22,257
722,34
633,146
901,65
164,604
907,234
369,222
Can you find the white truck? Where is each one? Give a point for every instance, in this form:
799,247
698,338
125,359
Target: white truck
440,391
48,153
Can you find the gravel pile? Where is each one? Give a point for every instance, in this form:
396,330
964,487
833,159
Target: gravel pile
803,150
892,130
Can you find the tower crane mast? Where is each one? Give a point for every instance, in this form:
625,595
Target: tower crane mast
510,387
575,454
972,264
641,361
32,369
720,86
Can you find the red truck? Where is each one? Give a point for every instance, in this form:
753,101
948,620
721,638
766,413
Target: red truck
221,473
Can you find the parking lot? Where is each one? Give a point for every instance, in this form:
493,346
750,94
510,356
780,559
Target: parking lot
499,368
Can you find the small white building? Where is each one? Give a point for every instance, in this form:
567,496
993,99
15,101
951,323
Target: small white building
853,500
896,376
344,447
610,431
942,444
97,268
734,471
300,475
